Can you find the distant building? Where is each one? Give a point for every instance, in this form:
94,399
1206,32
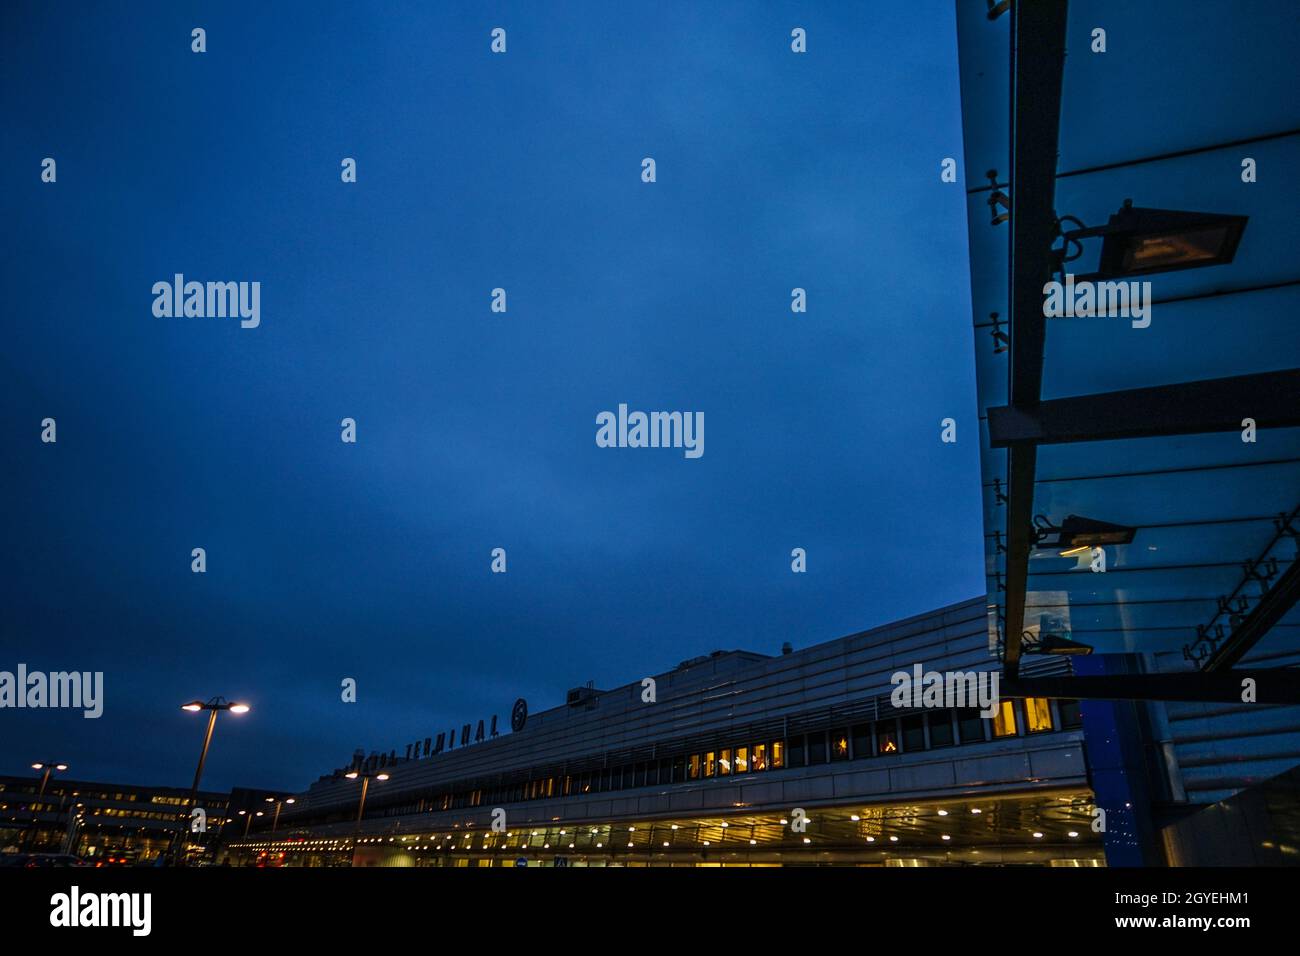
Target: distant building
105,822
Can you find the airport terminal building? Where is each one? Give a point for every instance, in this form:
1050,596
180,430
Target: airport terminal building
740,759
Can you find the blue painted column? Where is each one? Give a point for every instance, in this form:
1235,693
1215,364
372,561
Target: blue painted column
1116,745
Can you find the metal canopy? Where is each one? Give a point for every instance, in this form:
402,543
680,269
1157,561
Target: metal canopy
1139,426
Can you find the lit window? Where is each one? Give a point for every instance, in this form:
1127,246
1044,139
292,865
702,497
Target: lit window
695,766
724,762
742,760
710,764
1004,722
839,745
1038,714
760,757
778,755
887,738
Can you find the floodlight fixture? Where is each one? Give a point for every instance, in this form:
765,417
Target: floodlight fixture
1138,241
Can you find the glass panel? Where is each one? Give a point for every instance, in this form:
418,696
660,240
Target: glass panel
1004,722
724,762
796,754
742,760
778,755
710,764
758,758
1070,713
1038,714
695,767
970,723
862,741
914,732
940,728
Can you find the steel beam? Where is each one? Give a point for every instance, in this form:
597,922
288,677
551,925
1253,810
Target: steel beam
1271,399
1037,65
1277,685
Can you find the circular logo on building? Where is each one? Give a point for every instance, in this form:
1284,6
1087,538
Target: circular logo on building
519,715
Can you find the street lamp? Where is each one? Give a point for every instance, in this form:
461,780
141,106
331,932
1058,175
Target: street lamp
46,768
213,707
248,819
278,803
366,777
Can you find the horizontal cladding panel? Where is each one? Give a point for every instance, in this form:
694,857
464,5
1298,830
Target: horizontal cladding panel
771,688
999,766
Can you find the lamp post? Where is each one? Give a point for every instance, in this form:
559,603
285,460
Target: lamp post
46,768
366,777
248,819
278,803
213,707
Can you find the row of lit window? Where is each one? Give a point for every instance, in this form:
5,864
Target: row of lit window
916,732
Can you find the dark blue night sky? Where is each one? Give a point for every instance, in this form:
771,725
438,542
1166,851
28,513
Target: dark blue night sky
475,430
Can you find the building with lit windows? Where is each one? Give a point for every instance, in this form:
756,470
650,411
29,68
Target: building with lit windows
100,822
735,749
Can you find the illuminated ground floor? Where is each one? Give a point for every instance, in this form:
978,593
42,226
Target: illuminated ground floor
1045,828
